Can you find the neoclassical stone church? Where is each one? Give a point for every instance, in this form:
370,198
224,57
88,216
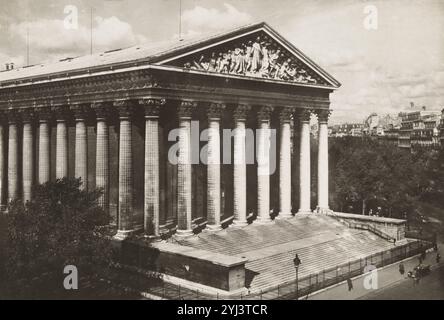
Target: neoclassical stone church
106,117
109,119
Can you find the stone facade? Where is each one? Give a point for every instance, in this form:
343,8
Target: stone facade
110,126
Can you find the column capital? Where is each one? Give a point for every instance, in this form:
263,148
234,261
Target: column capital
125,108
285,114
240,112
13,116
264,113
62,113
186,108
80,111
102,109
215,110
27,115
152,106
44,114
323,114
303,114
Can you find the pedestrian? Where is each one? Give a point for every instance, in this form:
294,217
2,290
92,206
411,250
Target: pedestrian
401,268
423,255
438,257
350,284
420,258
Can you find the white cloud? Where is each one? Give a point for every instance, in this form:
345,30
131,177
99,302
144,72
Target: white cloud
201,19
108,33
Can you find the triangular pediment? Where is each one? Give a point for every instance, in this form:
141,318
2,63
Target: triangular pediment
259,52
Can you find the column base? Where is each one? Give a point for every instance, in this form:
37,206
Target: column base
304,211
213,227
323,210
286,215
263,220
239,223
123,234
183,233
152,237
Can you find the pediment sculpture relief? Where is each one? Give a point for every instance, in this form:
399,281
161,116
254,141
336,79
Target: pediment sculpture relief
257,56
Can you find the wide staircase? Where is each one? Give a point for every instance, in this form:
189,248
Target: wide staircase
320,241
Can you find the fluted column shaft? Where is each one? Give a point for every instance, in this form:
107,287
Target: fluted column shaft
304,173
285,164
44,145
2,162
81,146
152,166
240,166
184,170
213,167
323,162
102,155
263,168
28,156
12,158
61,143
125,215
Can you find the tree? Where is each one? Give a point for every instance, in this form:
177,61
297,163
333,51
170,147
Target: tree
58,227
364,170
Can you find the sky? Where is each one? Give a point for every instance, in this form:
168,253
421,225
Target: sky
383,67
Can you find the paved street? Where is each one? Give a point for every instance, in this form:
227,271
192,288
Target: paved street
430,287
392,285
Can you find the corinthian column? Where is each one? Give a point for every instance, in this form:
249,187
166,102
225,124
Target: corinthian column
152,166
2,160
304,173
28,154
125,214
263,164
12,156
44,115
62,114
240,166
184,113
102,153
81,145
323,162
214,113
285,163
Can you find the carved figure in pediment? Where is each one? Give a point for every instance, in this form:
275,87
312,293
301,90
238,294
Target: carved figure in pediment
248,55
256,55
213,62
238,61
265,58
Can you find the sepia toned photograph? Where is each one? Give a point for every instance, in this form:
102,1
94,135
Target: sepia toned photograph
236,150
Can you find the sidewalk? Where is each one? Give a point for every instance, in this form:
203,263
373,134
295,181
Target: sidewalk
386,277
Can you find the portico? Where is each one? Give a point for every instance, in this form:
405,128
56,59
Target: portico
113,124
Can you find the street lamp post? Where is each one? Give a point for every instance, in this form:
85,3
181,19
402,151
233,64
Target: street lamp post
297,262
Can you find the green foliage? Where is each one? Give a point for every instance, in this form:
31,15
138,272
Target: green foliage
367,174
57,228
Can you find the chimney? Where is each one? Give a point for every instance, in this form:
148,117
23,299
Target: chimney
412,105
423,108
7,66
11,66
